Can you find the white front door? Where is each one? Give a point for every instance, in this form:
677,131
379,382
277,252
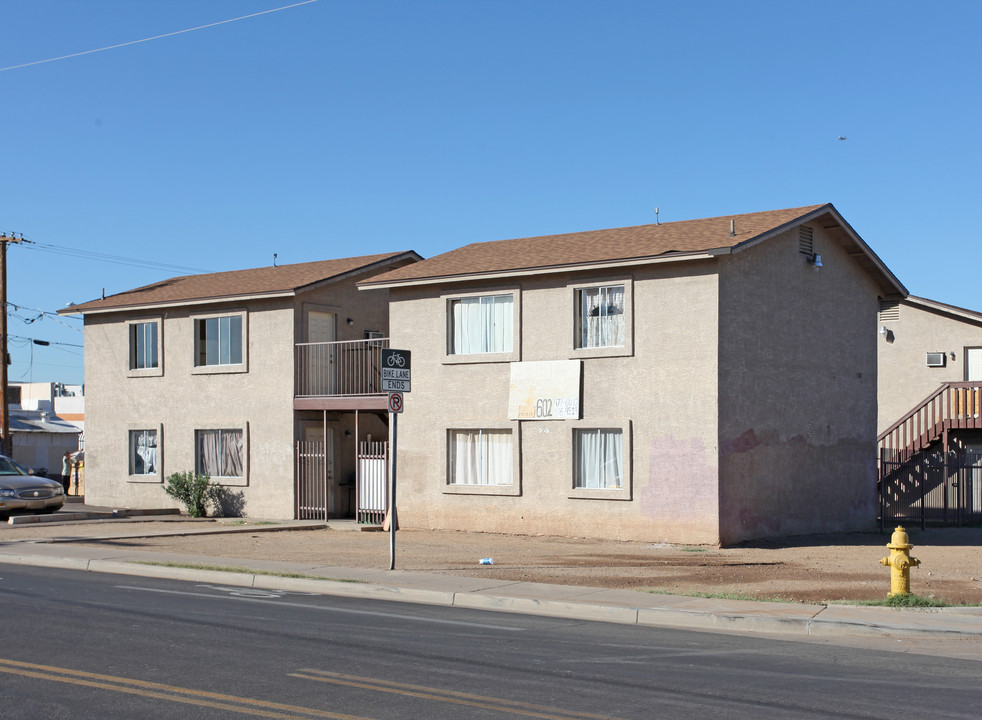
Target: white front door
973,364
322,328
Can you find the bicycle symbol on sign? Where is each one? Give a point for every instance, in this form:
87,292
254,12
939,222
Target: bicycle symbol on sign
396,360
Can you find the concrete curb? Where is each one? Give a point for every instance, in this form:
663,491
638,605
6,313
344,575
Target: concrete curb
531,599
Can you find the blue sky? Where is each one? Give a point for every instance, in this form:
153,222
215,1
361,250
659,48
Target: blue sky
344,128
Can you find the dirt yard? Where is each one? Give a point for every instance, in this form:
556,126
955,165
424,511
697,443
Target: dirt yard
804,569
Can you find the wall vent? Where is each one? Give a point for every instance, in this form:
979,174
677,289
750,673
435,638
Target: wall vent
889,310
806,241
936,359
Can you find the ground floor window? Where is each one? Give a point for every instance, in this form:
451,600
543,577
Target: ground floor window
598,458
143,452
481,457
219,453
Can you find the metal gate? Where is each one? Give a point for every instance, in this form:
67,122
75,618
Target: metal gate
931,488
315,470
373,464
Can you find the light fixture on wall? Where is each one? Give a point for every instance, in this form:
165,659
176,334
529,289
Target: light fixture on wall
883,331
350,321
952,355
815,261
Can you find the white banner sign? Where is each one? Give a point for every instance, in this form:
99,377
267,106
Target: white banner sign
545,390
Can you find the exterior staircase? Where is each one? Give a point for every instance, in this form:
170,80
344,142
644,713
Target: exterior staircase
953,406
923,476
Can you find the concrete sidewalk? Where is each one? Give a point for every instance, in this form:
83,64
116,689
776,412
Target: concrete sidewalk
581,603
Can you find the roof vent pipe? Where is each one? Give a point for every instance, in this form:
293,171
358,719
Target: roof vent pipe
732,227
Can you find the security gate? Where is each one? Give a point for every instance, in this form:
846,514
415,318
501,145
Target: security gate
315,479
373,464
931,488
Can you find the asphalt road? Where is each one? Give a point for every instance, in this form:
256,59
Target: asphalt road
84,645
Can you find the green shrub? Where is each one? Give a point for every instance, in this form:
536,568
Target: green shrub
194,490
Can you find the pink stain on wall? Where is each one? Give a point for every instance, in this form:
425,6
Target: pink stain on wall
682,483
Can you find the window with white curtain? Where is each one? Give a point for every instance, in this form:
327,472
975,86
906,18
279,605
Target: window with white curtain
600,317
143,452
598,458
219,453
143,345
218,340
481,457
484,324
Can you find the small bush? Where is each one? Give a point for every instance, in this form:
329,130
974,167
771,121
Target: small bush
195,491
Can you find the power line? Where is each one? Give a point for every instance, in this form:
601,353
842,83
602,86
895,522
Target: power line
44,343
115,259
41,315
156,37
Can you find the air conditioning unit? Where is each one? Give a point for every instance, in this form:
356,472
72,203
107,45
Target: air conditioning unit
936,359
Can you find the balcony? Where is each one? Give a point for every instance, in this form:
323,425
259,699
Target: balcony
343,375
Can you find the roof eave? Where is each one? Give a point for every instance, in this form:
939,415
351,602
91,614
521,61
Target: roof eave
950,310
889,282
179,303
544,270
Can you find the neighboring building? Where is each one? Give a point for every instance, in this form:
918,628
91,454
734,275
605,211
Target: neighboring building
923,344
41,439
230,374
930,412
66,401
702,382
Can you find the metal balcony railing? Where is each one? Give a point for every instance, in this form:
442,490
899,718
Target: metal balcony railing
347,368
953,406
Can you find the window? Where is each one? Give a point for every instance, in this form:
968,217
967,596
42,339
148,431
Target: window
218,341
143,345
598,458
600,316
481,457
482,324
143,452
219,453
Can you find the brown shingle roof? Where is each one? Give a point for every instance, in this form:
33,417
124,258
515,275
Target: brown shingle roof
596,246
271,280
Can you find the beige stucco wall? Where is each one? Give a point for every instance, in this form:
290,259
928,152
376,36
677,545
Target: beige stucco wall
797,391
178,401
664,393
905,378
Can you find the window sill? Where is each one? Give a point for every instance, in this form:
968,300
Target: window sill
600,494
219,369
145,372
513,490
145,479
481,358
601,352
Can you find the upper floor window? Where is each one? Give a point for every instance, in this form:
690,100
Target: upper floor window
482,324
143,345
218,340
600,316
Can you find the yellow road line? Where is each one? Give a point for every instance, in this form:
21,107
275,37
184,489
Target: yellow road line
449,696
201,698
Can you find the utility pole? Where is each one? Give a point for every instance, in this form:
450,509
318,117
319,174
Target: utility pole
6,441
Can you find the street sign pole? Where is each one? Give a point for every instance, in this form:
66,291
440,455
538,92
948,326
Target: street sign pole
392,494
396,379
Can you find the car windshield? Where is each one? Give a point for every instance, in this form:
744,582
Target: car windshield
9,467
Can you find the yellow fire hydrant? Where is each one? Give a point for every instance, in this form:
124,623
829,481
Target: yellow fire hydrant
900,562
